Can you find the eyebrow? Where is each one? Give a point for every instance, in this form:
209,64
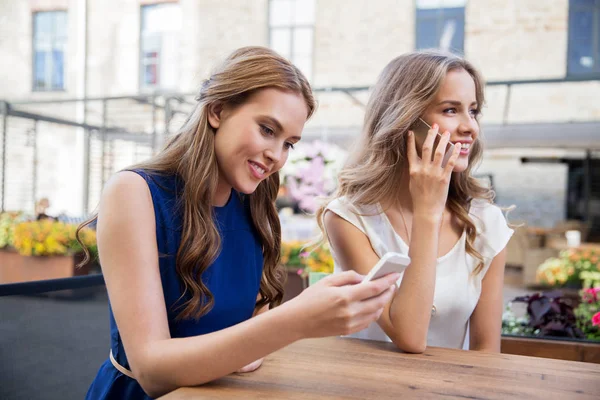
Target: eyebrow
278,125
454,102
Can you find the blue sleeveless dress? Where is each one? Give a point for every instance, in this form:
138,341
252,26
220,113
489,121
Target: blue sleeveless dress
233,278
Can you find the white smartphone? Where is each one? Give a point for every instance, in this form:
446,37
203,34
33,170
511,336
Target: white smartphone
389,263
421,129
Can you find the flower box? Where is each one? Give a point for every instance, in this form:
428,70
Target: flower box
16,268
561,349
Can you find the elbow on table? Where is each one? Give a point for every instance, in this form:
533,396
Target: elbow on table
156,384
410,344
152,387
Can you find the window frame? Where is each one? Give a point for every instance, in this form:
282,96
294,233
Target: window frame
291,28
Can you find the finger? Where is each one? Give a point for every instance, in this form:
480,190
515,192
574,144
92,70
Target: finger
452,160
411,149
377,303
427,150
373,288
440,150
342,279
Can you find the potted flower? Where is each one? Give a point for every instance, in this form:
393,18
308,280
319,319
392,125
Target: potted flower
573,268
552,327
49,250
311,172
588,313
306,264
10,260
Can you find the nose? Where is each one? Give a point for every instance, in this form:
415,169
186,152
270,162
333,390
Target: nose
274,155
468,126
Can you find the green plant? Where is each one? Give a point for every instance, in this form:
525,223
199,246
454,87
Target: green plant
8,220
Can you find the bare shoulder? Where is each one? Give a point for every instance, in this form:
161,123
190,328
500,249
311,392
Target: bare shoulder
126,198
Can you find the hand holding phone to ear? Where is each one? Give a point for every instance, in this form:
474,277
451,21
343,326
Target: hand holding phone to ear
421,130
429,180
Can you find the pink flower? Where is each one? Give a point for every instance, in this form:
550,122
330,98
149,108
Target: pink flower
596,319
590,296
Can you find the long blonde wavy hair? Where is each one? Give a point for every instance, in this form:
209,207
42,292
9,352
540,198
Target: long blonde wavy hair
404,90
190,154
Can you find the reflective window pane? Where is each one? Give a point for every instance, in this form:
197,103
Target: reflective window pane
584,44
280,12
281,41
442,28
49,45
303,40
304,12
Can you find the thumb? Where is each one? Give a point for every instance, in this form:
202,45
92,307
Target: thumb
343,279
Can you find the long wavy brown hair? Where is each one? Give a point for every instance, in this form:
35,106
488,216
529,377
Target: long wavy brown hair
404,90
190,154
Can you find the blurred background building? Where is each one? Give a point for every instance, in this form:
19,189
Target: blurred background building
92,86
138,63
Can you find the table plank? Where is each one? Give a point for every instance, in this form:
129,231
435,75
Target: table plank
335,368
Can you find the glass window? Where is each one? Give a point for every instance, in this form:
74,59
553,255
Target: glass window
159,46
291,31
49,47
584,38
441,24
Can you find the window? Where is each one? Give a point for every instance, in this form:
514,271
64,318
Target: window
291,30
441,25
49,46
584,38
159,51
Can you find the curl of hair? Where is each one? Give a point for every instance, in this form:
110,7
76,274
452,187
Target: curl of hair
404,90
190,154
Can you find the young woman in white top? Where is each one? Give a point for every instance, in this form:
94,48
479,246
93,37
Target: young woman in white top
391,200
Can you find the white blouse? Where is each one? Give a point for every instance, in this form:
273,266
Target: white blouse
457,291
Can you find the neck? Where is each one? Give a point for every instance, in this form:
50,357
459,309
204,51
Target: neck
222,193
401,198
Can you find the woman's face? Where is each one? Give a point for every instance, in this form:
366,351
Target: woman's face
253,140
455,110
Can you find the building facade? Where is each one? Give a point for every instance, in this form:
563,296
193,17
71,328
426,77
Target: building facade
541,60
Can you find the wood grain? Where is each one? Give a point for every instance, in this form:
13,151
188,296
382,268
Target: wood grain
335,368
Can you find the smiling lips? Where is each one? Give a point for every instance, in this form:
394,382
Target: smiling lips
258,170
465,147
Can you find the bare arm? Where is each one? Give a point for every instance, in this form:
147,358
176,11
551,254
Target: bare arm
129,258
486,320
406,318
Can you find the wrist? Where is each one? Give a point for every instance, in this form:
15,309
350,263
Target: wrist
290,320
426,218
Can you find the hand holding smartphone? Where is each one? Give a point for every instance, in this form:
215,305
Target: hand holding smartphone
421,129
389,263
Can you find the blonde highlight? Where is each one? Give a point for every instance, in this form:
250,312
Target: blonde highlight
403,91
190,154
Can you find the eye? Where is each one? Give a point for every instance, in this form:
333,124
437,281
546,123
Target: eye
475,112
450,111
289,145
266,130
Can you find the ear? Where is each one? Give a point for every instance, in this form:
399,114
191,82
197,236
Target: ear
214,115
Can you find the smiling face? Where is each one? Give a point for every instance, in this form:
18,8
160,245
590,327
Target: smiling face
455,109
253,139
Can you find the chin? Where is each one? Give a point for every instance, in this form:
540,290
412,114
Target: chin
246,187
460,167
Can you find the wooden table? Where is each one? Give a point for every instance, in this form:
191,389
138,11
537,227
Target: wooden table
335,368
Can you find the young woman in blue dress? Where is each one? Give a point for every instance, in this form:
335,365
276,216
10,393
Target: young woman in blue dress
189,242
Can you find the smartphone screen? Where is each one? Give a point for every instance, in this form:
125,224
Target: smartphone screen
421,128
